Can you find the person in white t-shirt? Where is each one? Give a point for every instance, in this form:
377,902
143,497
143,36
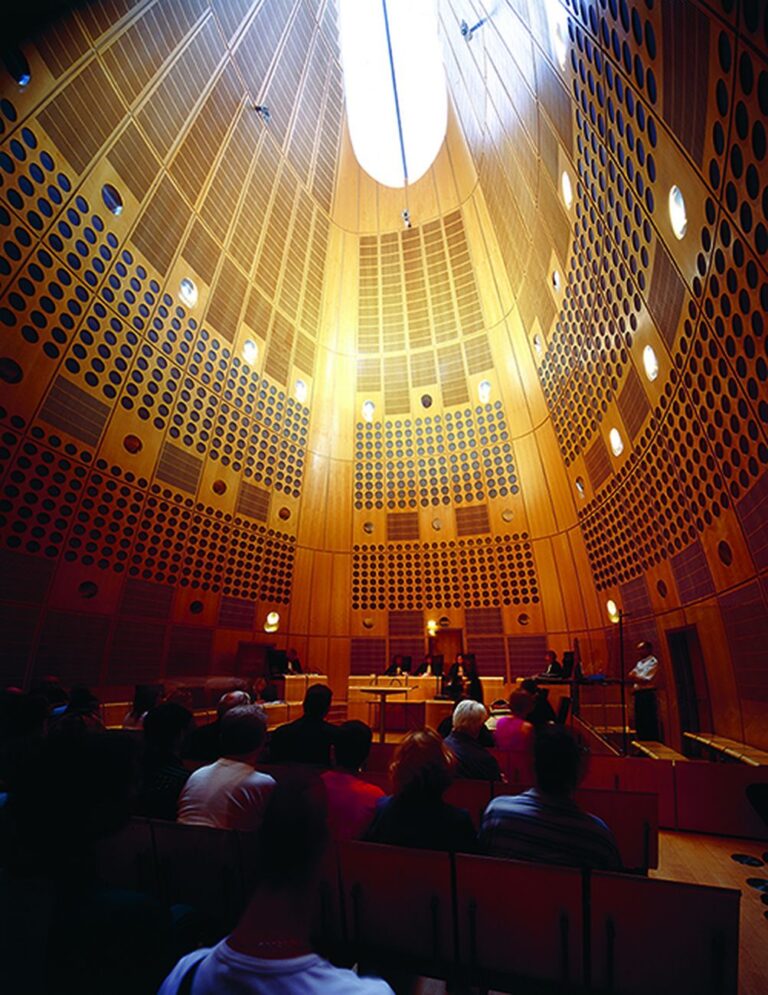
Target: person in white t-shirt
230,793
269,950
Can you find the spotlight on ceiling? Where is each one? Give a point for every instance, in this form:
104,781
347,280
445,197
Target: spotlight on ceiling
263,111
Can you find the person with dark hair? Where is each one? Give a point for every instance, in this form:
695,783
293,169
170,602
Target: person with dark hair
351,801
81,715
292,662
554,668
307,740
203,743
544,823
416,815
463,680
163,775
473,760
541,711
269,950
230,793
145,698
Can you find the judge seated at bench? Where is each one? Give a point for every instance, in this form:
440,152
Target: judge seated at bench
400,665
431,666
463,680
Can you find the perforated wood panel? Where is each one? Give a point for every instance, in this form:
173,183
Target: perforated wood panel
471,573
461,456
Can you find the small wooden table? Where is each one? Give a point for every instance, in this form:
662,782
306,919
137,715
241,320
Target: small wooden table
383,694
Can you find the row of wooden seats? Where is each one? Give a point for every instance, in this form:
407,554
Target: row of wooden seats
730,748
633,816
504,924
694,796
516,926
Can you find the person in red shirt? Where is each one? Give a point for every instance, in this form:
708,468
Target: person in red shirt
351,801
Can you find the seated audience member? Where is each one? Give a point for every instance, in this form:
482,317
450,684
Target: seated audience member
416,815
269,950
230,793
307,740
62,930
542,712
264,690
472,759
145,698
203,743
463,680
80,716
163,775
54,692
351,801
514,732
544,823
553,666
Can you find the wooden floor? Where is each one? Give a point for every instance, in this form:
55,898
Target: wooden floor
707,860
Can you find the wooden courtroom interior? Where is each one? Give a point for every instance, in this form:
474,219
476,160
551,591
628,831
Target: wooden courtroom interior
246,403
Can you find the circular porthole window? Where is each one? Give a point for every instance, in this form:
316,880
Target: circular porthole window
132,444
16,63
580,488
10,371
368,410
112,199
507,514
284,514
368,528
566,189
556,280
300,391
436,524
88,589
616,441
367,622
484,391
523,619
218,487
678,216
196,607
188,292
538,344
650,363
426,400
250,352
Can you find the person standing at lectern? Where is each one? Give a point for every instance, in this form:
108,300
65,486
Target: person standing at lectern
292,662
644,675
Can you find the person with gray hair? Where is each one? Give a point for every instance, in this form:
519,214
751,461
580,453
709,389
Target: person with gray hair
231,793
473,760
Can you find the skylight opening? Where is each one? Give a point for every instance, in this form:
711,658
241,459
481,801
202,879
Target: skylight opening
394,86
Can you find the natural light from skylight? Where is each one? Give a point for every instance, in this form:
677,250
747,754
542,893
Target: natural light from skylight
394,86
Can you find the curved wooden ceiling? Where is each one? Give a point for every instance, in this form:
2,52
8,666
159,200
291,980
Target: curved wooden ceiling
151,475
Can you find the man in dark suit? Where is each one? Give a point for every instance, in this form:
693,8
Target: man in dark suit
307,740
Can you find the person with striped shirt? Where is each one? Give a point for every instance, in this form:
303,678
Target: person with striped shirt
545,824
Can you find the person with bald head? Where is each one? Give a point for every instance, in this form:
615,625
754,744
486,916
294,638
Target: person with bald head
202,744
